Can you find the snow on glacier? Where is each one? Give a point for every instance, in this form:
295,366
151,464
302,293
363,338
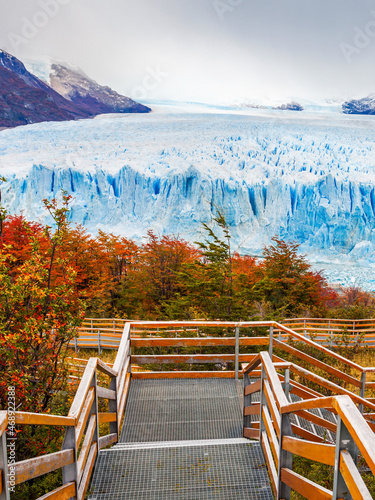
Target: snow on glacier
306,177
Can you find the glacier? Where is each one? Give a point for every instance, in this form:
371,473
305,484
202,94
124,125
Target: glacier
307,177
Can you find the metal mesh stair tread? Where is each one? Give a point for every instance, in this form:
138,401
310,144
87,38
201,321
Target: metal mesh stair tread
227,469
182,410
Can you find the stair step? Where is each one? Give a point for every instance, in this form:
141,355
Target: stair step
176,444
231,469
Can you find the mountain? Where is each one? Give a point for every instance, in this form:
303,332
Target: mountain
21,104
18,68
73,84
25,98
365,106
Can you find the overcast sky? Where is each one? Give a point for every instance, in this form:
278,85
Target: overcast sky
204,50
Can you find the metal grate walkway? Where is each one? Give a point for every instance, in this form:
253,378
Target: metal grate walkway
183,409
182,440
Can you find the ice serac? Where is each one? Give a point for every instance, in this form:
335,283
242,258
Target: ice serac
311,180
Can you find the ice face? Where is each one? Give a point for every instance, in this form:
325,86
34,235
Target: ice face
307,178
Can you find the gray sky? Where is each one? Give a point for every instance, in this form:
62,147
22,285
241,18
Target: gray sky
204,50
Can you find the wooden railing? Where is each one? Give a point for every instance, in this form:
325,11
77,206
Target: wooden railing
281,439
82,440
329,332
106,333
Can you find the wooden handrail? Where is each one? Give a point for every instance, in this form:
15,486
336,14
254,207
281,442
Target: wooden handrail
349,416
358,428
319,347
76,469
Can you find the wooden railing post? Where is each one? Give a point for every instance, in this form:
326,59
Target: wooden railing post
285,458
344,441
4,495
287,382
304,328
270,349
99,343
237,351
70,472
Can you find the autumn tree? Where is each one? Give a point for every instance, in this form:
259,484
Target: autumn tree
39,313
211,288
287,282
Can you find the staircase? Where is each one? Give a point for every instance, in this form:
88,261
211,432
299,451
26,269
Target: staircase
182,439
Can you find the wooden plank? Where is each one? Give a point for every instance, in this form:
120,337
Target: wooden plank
273,379
104,393
84,415
317,452
83,389
83,454
3,421
358,428
254,409
183,374
63,493
322,422
371,425
319,364
252,388
274,443
184,358
35,467
310,436
304,393
123,348
198,341
24,418
272,407
304,487
104,368
330,385
254,364
251,433
353,478
205,324
107,440
107,417
122,375
86,476
121,403
270,463
319,347
308,404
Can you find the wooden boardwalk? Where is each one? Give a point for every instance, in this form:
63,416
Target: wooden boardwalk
182,439
176,433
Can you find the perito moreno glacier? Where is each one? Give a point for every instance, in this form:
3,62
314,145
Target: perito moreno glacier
307,177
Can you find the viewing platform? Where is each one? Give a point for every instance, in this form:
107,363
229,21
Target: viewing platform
220,410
